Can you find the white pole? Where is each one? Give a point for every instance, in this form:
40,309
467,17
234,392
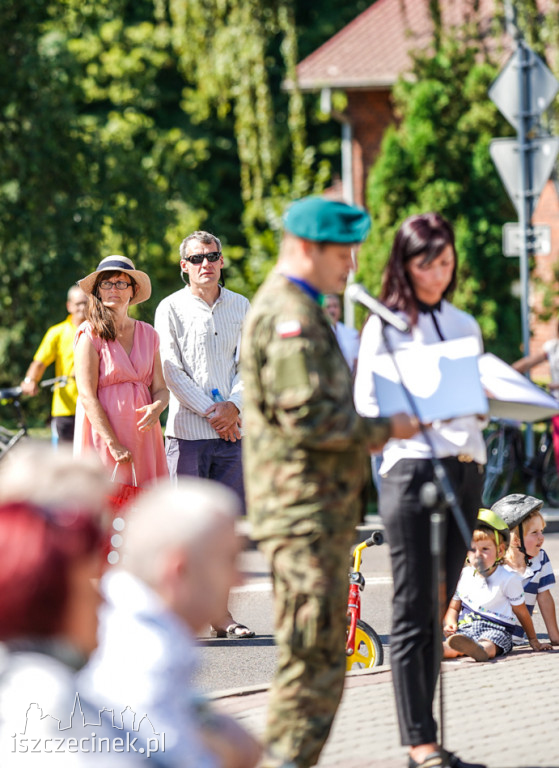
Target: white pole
347,186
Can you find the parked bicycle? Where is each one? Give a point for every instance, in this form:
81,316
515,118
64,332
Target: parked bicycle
11,396
506,455
363,645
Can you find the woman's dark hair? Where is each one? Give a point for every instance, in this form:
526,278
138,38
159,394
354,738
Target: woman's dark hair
426,234
99,316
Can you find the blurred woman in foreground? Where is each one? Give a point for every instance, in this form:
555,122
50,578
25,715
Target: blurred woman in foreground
51,538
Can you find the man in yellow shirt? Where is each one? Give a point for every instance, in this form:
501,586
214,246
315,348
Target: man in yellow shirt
57,347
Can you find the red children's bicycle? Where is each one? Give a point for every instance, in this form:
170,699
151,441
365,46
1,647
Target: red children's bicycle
363,645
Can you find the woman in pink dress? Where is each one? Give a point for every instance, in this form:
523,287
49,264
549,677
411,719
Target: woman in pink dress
118,373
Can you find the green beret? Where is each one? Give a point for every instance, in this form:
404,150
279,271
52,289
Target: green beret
326,221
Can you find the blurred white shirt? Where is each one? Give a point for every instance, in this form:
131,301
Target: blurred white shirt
146,660
45,722
348,339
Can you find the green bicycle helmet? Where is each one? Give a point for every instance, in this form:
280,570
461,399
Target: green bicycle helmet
488,519
492,520
514,509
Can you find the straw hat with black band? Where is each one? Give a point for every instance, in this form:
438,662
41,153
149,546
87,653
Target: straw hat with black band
124,265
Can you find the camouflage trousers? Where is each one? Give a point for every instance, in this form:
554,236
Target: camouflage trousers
310,577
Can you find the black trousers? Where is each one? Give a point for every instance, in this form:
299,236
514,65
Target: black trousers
407,524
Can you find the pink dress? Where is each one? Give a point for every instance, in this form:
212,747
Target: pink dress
124,386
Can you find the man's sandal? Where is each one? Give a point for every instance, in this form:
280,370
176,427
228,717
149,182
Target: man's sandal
239,631
442,758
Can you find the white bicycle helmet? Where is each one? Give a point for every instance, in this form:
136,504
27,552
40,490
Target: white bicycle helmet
514,509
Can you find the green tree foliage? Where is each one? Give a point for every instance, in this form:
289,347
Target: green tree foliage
125,124
234,56
93,159
437,158
43,160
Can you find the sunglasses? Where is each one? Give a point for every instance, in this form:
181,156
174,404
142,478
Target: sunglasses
198,258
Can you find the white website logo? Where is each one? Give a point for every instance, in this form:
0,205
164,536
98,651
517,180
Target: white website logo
107,733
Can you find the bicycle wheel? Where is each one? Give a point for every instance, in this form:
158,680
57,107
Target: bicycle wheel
550,479
8,440
368,648
499,470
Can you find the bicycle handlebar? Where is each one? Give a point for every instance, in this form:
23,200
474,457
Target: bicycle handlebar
12,393
376,537
60,380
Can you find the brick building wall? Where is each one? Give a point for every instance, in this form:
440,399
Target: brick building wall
547,212
370,113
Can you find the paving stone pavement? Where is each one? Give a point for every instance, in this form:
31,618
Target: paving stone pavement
503,713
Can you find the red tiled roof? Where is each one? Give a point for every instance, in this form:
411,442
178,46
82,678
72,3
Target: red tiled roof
373,49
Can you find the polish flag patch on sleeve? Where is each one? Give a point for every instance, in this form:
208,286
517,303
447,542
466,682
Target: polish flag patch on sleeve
288,329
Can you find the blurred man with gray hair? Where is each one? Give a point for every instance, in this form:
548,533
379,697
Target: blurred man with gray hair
178,565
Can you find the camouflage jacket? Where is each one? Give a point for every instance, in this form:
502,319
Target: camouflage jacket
304,450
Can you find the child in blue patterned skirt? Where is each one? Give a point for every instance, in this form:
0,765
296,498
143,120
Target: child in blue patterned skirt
526,557
481,617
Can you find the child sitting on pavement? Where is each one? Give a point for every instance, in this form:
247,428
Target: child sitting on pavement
526,557
481,615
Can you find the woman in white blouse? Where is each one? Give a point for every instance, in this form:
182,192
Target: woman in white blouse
420,274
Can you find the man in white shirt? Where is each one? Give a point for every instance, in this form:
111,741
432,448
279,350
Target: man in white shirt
348,338
199,328
179,563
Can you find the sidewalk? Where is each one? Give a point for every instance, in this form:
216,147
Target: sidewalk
502,713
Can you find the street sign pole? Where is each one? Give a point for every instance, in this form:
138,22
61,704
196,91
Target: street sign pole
525,210
522,91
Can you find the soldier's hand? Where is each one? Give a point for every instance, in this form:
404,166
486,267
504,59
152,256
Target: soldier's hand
403,426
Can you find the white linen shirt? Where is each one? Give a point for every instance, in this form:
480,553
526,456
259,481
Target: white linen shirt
146,660
450,438
199,347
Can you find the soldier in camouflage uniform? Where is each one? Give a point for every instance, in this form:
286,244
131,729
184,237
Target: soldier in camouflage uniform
305,459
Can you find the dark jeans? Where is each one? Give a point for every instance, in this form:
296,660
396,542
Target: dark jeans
413,655
218,460
62,428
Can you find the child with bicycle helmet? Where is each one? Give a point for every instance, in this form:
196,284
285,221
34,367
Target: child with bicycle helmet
481,616
525,556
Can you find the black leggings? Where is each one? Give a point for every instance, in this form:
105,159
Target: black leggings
407,525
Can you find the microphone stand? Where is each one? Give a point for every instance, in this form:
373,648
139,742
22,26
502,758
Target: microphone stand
437,496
